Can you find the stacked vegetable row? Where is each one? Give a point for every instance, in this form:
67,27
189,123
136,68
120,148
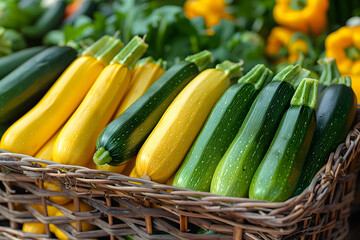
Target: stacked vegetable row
252,138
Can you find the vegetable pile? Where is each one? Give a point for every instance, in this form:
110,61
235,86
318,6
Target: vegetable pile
159,92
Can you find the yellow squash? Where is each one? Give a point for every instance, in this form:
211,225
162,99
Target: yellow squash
36,227
56,199
144,74
35,128
84,225
46,151
167,145
76,142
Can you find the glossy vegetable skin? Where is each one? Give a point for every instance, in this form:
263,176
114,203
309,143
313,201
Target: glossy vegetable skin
219,130
123,137
35,128
23,88
167,145
11,62
276,177
334,116
233,174
76,142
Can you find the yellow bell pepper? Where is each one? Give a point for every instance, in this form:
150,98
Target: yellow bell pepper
211,10
308,16
344,46
280,38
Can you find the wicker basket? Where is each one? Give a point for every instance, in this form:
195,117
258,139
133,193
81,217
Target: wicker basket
156,211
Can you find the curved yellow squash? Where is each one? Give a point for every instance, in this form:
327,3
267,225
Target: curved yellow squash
109,168
143,77
35,128
76,142
46,151
84,225
167,145
35,227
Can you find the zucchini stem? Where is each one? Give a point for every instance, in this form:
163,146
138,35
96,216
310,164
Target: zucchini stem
201,59
233,70
342,80
306,93
329,71
104,49
102,156
257,76
292,75
131,53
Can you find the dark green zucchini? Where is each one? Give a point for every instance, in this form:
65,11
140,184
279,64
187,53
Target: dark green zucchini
123,137
276,177
24,87
219,130
328,73
235,170
11,62
48,21
334,116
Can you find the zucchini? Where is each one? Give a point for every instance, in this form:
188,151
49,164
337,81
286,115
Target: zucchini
236,168
276,177
166,147
219,130
24,86
48,21
334,117
123,137
11,62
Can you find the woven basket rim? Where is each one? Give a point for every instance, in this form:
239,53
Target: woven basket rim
271,216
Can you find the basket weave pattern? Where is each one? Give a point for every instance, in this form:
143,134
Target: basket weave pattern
148,210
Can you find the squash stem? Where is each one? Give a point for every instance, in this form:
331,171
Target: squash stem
292,75
257,76
131,53
104,49
102,156
329,71
306,93
233,70
342,80
201,59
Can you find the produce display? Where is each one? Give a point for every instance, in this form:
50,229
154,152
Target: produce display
178,95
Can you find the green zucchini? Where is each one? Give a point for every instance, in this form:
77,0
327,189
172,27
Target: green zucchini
48,21
328,73
276,177
334,116
11,62
24,87
122,138
236,168
219,130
